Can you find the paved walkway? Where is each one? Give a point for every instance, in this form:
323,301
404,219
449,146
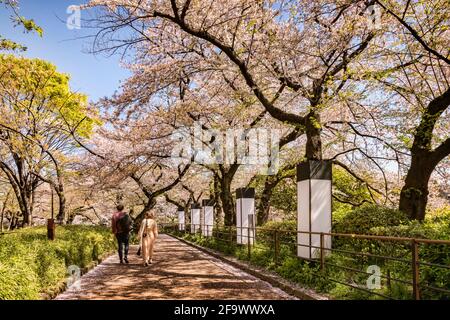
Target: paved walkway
178,272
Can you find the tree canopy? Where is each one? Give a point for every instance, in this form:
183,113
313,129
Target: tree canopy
364,84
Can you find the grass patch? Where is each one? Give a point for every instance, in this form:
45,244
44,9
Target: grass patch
32,267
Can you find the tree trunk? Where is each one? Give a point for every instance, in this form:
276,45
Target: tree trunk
5,203
269,185
218,206
264,201
32,202
187,211
228,204
14,220
61,216
20,193
25,205
264,208
11,221
313,139
59,188
1,220
226,197
62,208
414,194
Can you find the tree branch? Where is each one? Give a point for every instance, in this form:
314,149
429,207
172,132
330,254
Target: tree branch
415,34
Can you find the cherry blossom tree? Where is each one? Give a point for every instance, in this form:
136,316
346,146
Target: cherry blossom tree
414,81
299,50
311,65
129,153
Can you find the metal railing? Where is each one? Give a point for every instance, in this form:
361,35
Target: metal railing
404,257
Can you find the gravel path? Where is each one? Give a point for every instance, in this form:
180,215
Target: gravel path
178,272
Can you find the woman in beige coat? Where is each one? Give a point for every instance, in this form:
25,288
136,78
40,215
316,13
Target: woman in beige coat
147,237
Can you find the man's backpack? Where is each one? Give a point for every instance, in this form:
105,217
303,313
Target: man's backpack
123,224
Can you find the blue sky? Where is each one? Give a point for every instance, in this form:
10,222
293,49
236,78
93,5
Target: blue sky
95,75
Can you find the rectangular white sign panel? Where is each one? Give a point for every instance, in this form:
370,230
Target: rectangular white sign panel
208,221
195,219
181,220
245,216
313,208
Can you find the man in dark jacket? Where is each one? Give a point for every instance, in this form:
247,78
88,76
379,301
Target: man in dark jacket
121,226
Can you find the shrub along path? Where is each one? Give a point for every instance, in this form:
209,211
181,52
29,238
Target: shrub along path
178,272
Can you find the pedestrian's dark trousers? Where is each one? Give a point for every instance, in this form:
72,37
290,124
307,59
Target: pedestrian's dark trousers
123,240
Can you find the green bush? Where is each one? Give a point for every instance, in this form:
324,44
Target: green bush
363,219
18,281
290,225
287,233
31,265
435,226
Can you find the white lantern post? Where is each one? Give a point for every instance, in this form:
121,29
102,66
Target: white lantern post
313,207
181,219
195,217
245,215
207,217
